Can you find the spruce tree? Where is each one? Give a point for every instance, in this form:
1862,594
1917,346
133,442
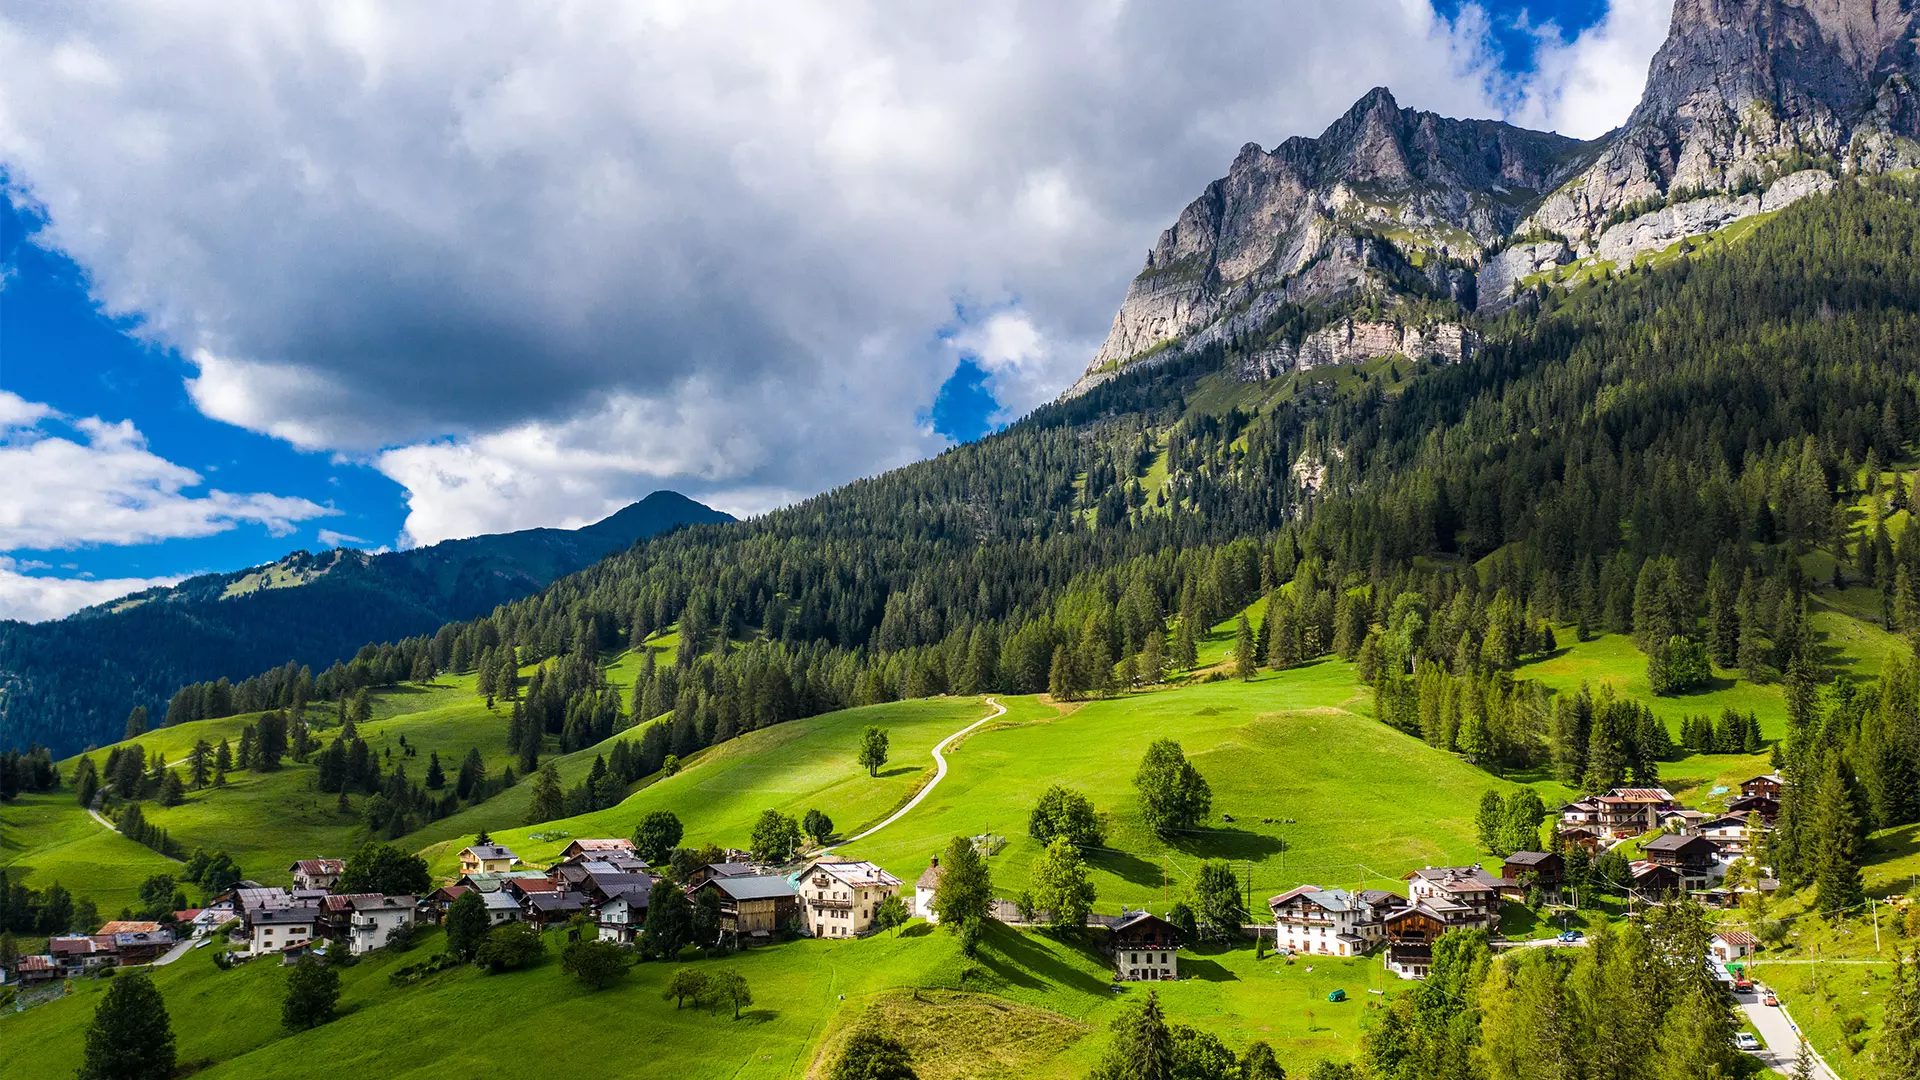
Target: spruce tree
549,803
136,722
1142,1046
131,1036
1245,660
1833,835
1898,1049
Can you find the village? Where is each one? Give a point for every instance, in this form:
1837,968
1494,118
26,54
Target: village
602,888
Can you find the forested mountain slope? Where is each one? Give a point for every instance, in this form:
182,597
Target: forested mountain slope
71,683
1688,432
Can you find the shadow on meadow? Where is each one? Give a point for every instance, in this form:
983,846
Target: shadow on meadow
1199,967
1016,959
1890,846
1127,866
1232,844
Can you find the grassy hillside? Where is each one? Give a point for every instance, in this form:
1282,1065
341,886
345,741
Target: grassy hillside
1367,803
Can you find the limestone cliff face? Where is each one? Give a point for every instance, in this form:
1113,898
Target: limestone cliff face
1350,342
1743,87
1386,198
1749,105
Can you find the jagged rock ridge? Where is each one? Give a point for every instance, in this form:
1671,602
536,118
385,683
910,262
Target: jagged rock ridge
1385,198
1749,105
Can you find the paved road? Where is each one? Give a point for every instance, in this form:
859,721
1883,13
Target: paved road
939,774
174,953
1781,1035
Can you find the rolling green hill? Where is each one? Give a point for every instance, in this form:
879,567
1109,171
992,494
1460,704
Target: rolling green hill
70,683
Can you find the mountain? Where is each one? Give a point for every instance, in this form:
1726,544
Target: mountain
1749,106
71,682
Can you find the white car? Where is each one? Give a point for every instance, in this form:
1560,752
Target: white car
1746,1041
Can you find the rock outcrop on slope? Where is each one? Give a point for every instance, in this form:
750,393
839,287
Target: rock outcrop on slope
1749,105
1352,341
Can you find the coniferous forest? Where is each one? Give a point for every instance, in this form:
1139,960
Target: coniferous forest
1647,457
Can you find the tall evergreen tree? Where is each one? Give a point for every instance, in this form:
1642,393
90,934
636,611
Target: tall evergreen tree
131,1036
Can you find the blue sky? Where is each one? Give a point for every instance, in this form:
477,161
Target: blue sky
228,459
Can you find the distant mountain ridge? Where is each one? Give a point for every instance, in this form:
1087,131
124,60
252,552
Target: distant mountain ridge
71,682
1749,106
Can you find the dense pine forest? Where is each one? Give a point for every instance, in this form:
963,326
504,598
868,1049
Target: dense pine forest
1651,456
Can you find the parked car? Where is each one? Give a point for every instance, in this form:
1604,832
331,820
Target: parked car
1571,935
1745,1041
1743,984
1772,1001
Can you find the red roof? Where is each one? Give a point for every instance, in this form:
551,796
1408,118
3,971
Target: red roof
188,915
35,963
129,926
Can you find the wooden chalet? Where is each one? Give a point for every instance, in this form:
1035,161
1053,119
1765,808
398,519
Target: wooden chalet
1145,947
598,848
753,907
1544,869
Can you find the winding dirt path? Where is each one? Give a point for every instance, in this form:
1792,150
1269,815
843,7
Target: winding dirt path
939,774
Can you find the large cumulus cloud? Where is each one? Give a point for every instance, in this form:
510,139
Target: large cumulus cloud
535,260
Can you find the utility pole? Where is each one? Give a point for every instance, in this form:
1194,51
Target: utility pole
1874,906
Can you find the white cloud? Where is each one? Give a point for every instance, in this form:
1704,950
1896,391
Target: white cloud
1588,86
329,538
536,260
1023,368
99,484
35,599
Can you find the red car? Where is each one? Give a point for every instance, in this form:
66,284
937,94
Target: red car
1771,1000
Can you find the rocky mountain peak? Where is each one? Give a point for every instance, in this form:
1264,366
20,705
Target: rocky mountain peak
1749,105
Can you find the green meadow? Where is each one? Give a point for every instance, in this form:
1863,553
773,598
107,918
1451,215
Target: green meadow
1307,787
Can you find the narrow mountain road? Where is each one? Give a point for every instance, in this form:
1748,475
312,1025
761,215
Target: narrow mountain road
111,827
939,774
1781,1035
174,953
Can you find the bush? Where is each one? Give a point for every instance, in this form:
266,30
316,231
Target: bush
509,946
599,964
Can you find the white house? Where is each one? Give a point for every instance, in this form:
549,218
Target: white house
501,907
622,915
374,920
1330,922
924,889
1731,946
838,896
317,873
275,929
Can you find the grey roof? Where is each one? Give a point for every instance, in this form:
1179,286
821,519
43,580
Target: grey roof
556,901
1134,918
1674,842
382,903
1529,858
287,915
635,897
499,901
609,884
756,887
489,851
730,869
